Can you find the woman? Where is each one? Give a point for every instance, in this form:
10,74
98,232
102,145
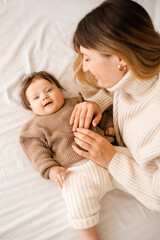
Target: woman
118,48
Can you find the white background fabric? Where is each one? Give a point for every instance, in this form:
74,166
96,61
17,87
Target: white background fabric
37,35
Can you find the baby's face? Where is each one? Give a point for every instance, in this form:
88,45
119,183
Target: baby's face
45,98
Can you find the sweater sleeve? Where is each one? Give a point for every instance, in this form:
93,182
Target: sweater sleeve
37,151
135,179
102,97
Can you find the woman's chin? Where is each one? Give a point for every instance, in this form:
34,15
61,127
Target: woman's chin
101,84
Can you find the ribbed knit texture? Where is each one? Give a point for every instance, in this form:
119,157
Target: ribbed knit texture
47,140
136,113
84,185
103,98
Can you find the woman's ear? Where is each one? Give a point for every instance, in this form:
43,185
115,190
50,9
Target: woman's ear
121,62
30,106
121,65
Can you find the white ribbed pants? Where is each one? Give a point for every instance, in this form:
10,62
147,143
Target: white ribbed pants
84,185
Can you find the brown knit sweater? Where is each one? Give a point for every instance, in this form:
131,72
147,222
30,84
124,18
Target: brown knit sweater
47,140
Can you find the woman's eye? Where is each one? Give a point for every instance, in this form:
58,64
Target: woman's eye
86,59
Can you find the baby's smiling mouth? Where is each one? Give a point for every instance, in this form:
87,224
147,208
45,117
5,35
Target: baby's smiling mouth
48,103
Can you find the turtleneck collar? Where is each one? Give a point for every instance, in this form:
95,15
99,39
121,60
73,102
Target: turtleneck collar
132,85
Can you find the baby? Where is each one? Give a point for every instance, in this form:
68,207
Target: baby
47,140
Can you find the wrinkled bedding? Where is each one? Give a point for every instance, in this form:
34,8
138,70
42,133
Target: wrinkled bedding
37,35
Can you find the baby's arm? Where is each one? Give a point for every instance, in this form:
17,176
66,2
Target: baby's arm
55,175
39,154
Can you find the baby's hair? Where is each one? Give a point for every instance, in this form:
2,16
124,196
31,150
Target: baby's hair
27,80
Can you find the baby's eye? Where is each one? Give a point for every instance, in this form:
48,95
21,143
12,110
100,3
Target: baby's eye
48,90
35,98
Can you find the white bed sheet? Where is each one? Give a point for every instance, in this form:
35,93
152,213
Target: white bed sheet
36,35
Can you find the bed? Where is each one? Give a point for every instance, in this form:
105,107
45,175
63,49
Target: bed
37,35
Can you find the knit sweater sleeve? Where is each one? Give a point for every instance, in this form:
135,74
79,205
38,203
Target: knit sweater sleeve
102,97
135,179
39,154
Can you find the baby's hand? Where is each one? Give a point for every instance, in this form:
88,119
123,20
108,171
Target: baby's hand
55,175
110,132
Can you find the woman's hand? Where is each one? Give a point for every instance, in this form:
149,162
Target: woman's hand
55,175
84,113
98,149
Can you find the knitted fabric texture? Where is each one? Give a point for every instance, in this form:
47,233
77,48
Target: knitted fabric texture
136,113
47,140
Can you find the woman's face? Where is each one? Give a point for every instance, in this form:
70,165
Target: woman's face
104,68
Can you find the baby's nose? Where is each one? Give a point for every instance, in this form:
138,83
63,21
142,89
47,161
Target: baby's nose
44,96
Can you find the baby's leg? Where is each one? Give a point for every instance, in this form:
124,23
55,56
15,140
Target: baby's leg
83,187
88,234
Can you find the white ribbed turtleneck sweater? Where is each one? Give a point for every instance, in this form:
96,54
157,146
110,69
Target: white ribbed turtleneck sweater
136,112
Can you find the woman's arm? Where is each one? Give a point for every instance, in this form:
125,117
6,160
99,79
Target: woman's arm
134,178
124,169
102,97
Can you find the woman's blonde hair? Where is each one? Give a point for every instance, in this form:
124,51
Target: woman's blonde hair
122,28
